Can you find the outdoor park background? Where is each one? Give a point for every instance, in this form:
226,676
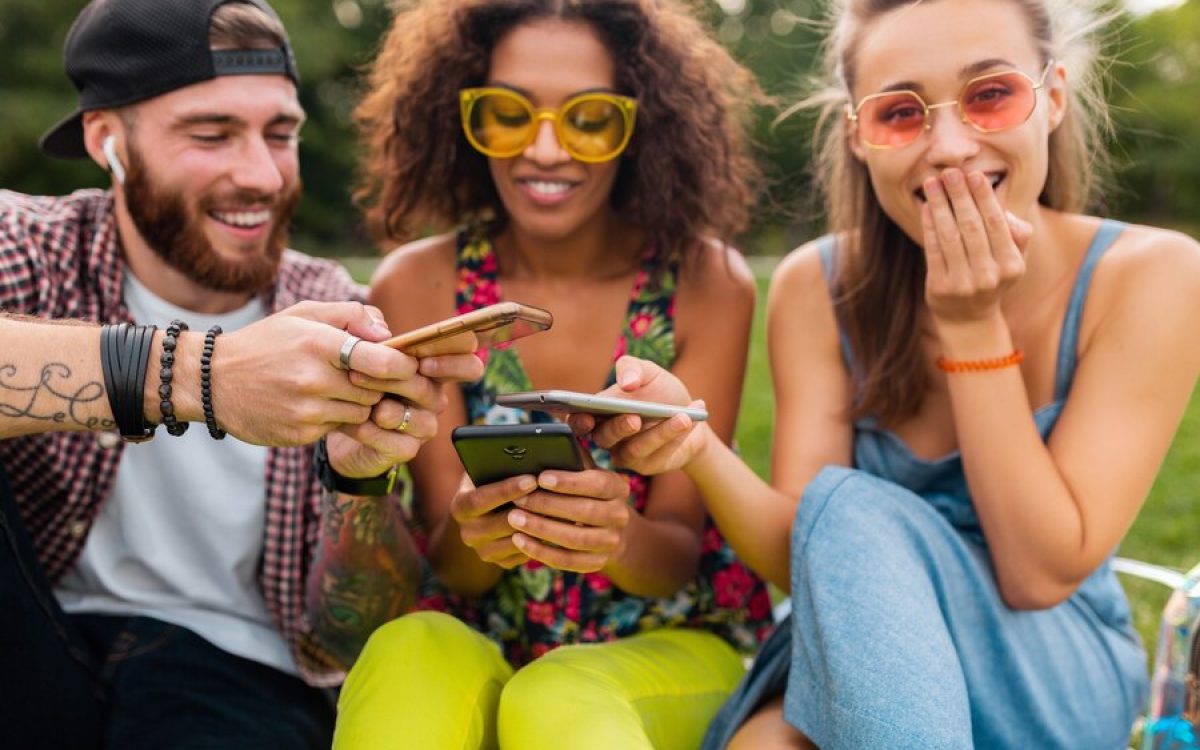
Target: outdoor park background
1154,60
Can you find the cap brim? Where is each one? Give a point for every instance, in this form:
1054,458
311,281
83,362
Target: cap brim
65,140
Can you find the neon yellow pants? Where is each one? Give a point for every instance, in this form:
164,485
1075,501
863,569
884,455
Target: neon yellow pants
428,681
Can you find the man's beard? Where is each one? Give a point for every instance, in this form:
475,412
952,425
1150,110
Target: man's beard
174,230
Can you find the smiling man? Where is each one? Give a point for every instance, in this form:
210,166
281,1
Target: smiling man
191,591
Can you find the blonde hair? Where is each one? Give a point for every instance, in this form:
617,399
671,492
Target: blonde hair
881,276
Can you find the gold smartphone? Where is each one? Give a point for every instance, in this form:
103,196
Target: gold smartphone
462,334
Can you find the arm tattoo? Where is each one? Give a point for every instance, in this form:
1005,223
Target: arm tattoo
365,573
47,402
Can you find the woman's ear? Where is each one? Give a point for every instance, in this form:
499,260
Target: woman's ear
852,139
1056,95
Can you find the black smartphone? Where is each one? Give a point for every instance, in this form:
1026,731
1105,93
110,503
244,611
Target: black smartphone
491,453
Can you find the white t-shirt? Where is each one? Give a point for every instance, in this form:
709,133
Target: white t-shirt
181,536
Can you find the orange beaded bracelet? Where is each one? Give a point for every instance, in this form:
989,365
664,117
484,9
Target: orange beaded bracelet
1015,357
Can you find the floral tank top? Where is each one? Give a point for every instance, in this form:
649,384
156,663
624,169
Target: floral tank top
535,608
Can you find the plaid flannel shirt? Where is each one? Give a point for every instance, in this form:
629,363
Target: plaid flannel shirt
60,258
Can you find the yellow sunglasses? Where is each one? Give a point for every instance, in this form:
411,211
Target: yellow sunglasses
593,127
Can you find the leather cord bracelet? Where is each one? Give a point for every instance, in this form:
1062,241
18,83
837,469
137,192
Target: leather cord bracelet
210,419
1015,357
124,360
335,482
166,371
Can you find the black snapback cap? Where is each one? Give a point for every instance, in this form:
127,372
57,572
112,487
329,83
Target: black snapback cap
123,51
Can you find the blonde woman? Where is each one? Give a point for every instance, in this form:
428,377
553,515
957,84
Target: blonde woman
976,384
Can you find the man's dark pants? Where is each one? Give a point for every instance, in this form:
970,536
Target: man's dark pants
93,681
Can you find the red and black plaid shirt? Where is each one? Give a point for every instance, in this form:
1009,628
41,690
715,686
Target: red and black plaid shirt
60,258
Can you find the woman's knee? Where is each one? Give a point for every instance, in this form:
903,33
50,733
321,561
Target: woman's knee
424,633
423,680
421,644
546,686
419,631
848,504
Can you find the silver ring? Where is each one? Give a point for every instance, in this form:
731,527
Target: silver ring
347,349
405,420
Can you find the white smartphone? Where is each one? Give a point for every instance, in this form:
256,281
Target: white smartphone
570,401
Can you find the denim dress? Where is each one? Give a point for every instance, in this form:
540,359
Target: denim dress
898,637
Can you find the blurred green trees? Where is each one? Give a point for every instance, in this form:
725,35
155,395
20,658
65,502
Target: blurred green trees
1156,93
1157,116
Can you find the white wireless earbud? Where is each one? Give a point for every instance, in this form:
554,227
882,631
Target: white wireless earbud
109,147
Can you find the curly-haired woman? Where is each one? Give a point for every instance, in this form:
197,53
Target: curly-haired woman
591,159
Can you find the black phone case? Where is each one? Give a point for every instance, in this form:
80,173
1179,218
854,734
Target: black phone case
490,453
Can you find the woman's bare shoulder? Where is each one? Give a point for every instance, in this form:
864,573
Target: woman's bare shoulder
425,256
1150,273
801,276
1153,260
416,280
719,268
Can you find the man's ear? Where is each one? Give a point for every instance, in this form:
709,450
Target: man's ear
103,137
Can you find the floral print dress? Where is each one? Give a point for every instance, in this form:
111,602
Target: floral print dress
535,608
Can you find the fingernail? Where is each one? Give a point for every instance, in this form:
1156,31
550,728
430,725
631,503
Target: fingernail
518,540
549,481
631,422
932,187
521,502
627,379
526,484
379,328
977,179
952,177
517,518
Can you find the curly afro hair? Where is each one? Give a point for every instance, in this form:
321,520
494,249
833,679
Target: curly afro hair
688,174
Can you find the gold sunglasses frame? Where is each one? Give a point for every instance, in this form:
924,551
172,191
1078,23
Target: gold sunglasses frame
626,105
1040,83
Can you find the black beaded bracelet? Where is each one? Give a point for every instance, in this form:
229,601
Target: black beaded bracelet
124,360
210,340
166,371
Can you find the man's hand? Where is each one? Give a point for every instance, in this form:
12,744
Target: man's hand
403,420
280,381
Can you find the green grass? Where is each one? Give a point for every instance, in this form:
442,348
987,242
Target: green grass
1167,532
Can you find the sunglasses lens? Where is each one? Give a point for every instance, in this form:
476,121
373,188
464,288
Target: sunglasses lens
594,128
998,102
888,120
502,124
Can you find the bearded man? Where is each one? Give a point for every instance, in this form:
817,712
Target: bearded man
191,591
